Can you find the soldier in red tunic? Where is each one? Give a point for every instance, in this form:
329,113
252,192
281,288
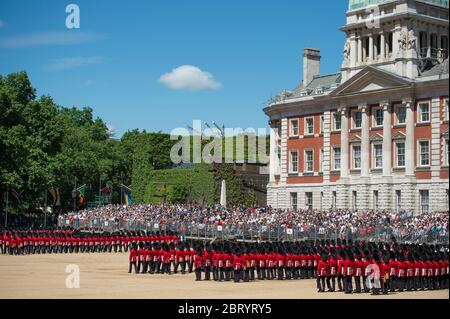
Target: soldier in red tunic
198,264
237,266
401,272
228,259
322,272
253,256
409,264
359,271
332,270
207,256
349,266
220,261
133,259
341,270
393,272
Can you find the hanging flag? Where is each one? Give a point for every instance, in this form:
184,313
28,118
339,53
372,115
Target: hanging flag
81,193
58,198
55,195
126,193
15,194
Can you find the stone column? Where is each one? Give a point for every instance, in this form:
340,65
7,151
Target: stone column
326,160
353,50
365,141
273,147
343,187
409,143
344,143
363,186
387,138
284,153
385,194
383,47
360,51
371,49
437,190
396,36
408,187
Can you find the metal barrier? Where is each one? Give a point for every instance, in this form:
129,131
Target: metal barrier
257,232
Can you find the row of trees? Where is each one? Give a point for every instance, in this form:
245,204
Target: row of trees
45,145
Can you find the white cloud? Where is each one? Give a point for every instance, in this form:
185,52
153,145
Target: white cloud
88,82
48,38
188,77
72,63
2,24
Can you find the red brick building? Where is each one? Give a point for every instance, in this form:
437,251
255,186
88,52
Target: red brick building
375,135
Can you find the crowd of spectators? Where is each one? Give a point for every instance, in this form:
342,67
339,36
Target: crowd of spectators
333,221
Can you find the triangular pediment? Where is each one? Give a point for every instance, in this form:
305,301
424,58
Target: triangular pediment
376,138
399,136
370,79
355,139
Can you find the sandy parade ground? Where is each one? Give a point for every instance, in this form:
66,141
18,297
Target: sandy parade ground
106,276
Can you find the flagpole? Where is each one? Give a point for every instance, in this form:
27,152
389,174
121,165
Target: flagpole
75,197
45,210
6,216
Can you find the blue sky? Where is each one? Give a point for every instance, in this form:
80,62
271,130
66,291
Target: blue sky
120,61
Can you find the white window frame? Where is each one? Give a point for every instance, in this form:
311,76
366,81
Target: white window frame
306,126
374,121
376,199
294,206
333,199
374,158
291,167
291,131
353,157
335,129
354,120
334,158
398,200
419,153
419,111
306,161
396,154
310,206
396,111
422,192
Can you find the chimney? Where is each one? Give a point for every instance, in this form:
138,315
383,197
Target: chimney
311,65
